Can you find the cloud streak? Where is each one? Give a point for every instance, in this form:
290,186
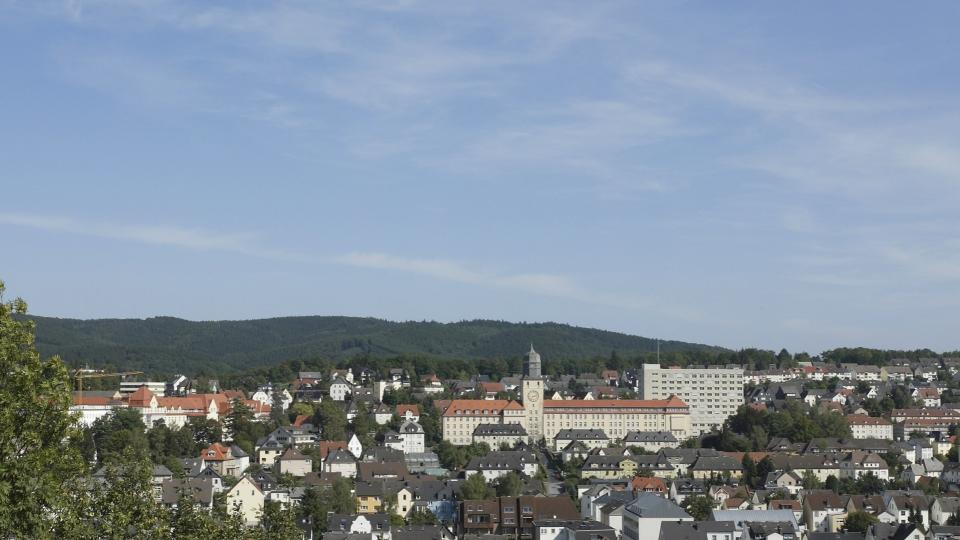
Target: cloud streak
543,284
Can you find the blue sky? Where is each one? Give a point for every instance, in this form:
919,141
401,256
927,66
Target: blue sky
741,174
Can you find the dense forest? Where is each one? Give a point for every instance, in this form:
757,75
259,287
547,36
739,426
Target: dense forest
274,348
167,344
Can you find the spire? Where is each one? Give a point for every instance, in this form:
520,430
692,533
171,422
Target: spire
531,367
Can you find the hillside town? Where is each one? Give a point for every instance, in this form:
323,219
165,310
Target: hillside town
814,451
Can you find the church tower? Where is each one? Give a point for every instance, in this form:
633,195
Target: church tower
533,396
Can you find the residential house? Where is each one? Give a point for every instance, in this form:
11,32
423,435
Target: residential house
716,467
340,389
743,519
943,508
858,464
591,438
499,463
682,488
354,446
382,414
788,481
226,461
697,530
372,526
498,436
246,499
652,441
870,427
644,516
412,435
871,504
340,461
818,506
903,504
295,463
408,412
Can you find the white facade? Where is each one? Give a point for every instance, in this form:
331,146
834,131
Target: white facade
868,427
713,394
246,499
355,447
413,438
339,390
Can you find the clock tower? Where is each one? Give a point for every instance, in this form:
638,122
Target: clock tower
533,396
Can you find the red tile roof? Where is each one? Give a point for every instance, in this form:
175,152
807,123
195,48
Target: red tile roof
327,446
477,407
402,409
672,402
141,397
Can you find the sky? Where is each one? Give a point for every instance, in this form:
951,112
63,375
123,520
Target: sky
744,174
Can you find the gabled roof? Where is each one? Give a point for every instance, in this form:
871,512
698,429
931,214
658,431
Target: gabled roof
141,397
651,505
292,454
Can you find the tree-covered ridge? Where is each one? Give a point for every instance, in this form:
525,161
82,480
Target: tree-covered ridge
167,344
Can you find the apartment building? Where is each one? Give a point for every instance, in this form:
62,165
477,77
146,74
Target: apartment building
870,427
712,393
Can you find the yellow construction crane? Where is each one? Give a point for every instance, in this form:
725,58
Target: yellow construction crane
79,375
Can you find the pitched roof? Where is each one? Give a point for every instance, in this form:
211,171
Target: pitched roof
651,505
477,407
403,409
493,430
672,402
141,397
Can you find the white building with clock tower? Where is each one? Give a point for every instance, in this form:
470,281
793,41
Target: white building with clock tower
533,396
543,419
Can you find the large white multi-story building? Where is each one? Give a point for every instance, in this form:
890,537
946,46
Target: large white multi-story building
545,418
713,393
870,427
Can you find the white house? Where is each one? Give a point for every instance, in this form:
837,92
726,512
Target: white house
246,499
643,517
497,464
340,461
944,507
354,446
870,427
413,437
340,389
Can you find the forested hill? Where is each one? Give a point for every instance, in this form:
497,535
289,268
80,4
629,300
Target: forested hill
167,344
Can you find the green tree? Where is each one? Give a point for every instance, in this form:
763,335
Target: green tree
122,499
698,506
277,414
749,470
422,517
809,480
342,500
280,521
509,485
859,521
334,421
832,484
300,408
119,430
476,487
39,469
315,506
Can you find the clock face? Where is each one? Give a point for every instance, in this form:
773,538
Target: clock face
533,395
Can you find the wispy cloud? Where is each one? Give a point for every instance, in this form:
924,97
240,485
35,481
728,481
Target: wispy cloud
544,284
164,235
554,285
